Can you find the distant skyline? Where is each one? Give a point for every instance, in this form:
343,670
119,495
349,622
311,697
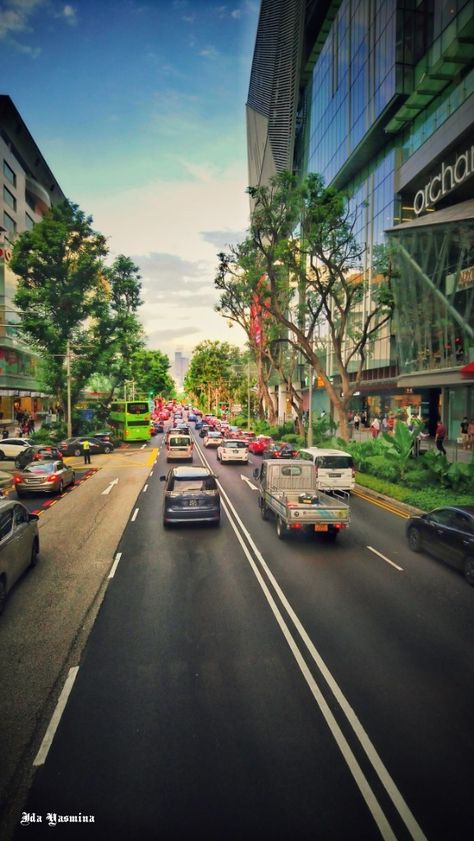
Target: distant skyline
139,110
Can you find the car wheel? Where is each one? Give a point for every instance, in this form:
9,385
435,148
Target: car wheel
264,511
331,536
77,451
73,480
166,525
469,570
3,594
61,487
107,450
281,529
34,554
2,455
414,539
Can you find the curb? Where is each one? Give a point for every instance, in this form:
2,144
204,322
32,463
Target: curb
410,510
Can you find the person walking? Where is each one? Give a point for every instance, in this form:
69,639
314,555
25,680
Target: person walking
375,427
356,421
465,432
5,432
440,435
86,449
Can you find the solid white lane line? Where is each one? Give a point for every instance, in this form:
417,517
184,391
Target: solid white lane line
40,758
384,558
135,514
115,564
383,774
145,489
351,761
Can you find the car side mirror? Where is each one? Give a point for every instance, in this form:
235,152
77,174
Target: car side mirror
34,517
255,473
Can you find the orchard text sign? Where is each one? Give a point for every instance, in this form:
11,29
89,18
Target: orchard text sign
447,179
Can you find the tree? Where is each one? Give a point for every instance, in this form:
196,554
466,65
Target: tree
214,373
302,238
150,373
59,266
68,299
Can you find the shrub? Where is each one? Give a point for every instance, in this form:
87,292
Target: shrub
378,466
425,499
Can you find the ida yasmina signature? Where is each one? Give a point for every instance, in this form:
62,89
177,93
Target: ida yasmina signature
52,819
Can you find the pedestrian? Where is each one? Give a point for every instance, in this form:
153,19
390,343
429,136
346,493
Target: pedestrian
5,432
31,426
465,432
356,421
440,435
86,449
470,433
365,419
385,423
375,427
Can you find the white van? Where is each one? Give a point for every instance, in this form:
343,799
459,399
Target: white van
179,447
334,468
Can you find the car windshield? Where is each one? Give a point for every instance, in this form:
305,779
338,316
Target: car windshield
48,467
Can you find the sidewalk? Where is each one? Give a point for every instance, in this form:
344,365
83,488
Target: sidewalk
454,451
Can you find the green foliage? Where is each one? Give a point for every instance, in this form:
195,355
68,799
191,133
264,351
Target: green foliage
425,499
49,433
379,466
150,372
399,446
215,373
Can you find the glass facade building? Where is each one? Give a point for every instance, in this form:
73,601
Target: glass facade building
386,114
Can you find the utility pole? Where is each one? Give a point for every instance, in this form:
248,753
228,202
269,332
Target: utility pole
310,407
248,393
68,374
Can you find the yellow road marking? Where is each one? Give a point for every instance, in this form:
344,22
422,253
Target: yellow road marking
382,504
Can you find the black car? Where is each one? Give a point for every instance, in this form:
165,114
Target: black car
280,450
107,435
38,452
448,534
191,496
73,446
204,430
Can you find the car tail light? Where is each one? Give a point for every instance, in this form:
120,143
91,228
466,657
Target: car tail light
17,479
52,477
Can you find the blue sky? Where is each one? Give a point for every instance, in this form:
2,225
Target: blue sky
139,110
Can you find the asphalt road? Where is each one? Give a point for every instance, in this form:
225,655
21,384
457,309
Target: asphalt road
238,686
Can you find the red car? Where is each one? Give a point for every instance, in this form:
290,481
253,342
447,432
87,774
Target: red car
280,449
259,444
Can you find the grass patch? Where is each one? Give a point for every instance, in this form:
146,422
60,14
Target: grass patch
426,498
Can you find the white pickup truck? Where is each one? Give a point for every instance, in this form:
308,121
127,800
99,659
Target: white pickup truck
288,491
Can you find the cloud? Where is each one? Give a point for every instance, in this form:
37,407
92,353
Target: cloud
15,16
223,239
209,52
69,14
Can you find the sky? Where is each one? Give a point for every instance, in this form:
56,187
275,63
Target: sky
139,110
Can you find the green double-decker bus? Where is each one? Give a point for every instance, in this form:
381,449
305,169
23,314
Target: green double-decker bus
130,419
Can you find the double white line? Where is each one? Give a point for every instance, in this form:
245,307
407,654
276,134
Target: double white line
257,564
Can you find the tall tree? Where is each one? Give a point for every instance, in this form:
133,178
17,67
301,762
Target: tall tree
150,373
302,237
60,284
214,373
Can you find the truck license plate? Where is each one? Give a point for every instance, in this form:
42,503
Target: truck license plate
321,527
335,475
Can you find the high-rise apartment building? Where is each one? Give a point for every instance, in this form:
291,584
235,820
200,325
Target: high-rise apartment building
385,112
28,190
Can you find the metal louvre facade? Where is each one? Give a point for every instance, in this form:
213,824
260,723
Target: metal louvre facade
273,89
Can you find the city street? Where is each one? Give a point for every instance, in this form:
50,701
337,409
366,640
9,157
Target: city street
236,686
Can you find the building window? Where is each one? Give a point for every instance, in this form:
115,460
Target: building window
29,222
9,198
9,223
9,174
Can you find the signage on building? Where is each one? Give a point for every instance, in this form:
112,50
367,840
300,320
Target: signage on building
466,279
444,181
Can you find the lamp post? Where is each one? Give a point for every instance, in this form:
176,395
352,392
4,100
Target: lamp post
310,407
